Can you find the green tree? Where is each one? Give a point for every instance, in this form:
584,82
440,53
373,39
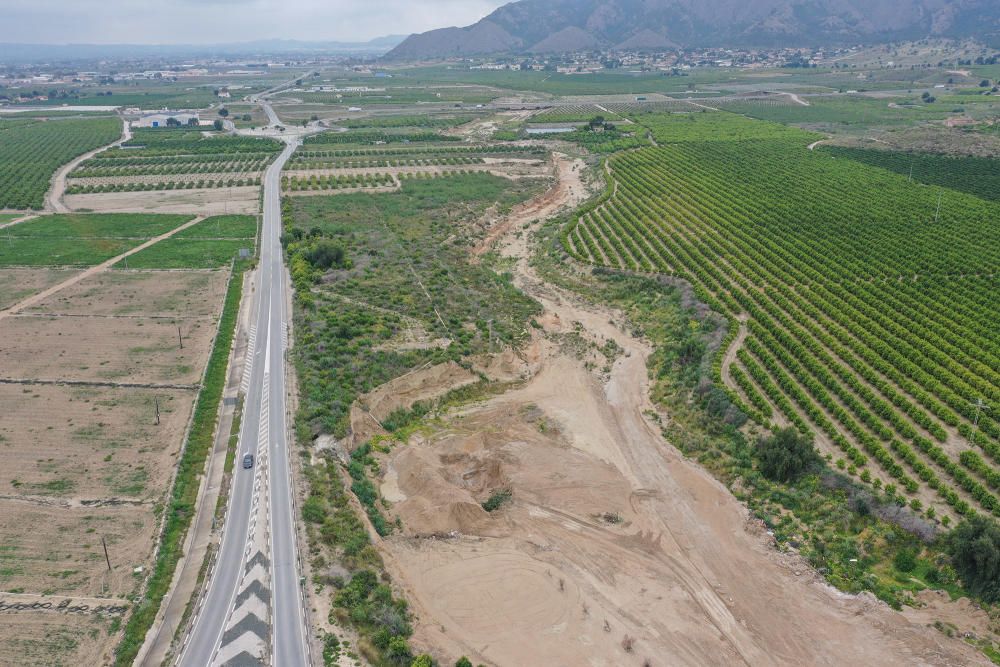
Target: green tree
974,546
223,112
217,124
463,662
786,455
423,660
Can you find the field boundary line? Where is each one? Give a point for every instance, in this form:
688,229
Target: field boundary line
107,264
101,383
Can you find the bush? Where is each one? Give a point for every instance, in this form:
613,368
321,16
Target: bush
325,254
313,510
906,560
974,546
786,455
497,499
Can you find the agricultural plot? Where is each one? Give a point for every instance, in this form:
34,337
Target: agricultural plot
174,159
857,310
31,151
98,386
366,137
841,111
313,169
393,95
15,284
212,243
576,113
104,349
80,239
34,639
975,175
414,121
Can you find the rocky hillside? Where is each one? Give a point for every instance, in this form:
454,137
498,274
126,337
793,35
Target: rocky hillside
539,26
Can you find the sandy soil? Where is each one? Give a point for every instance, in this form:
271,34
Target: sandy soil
615,550
208,201
103,349
97,442
16,284
180,294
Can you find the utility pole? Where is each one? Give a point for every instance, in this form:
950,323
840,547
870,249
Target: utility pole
106,557
910,179
180,341
156,405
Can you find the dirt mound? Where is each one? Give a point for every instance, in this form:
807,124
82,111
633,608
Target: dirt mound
424,384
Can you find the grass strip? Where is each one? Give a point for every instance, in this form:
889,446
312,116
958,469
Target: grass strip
185,491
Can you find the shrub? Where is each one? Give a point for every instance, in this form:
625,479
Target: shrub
906,560
497,499
786,455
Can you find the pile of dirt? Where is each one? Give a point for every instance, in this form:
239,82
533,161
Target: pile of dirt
424,384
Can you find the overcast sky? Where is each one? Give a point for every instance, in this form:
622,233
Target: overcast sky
216,21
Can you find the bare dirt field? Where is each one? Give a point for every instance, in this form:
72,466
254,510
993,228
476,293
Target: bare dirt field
15,284
53,639
178,294
614,549
56,550
87,462
104,349
86,442
208,201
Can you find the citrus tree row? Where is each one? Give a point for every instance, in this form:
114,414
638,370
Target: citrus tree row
31,152
869,310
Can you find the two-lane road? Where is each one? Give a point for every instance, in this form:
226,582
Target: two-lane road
252,610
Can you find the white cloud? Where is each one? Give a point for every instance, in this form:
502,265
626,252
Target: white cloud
214,21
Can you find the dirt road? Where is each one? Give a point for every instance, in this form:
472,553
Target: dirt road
615,550
35,299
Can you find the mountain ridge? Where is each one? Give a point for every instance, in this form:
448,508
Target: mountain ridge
543,26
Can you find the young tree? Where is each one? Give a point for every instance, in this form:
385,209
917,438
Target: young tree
786,455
